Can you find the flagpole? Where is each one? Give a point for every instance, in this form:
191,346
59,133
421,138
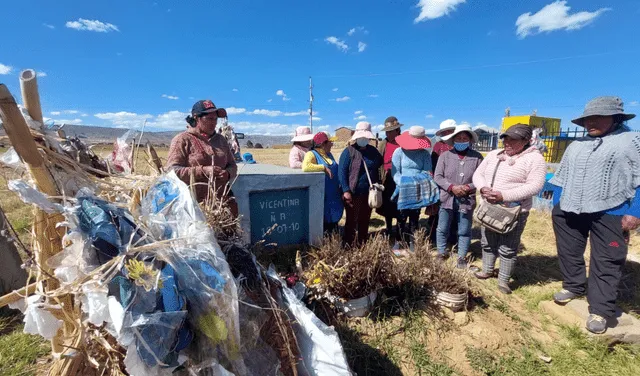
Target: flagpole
311,104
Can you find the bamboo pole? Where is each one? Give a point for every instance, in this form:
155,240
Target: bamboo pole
30,97
16,295
154,157
48,238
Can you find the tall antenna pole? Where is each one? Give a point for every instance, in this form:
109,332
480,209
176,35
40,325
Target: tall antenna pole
311,104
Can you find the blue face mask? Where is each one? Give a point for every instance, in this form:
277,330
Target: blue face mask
461,146
362,142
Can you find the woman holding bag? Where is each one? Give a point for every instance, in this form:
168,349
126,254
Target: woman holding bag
415,188
358,166
510,177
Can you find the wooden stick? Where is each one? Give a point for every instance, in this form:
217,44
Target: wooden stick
48,238
16,295
30,96
154,157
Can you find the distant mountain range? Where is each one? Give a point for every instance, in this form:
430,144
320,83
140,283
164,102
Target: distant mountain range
106,135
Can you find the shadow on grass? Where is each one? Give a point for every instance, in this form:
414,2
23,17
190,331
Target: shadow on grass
364,359
536,269
629,289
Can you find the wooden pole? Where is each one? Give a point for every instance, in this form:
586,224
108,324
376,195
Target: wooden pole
48,238
29,88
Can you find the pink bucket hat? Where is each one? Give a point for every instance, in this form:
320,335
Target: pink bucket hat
302,134
363,130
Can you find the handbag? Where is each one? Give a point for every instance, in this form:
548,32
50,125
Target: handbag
375,190
496,217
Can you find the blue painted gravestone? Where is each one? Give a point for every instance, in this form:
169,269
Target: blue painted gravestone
287,210
270,195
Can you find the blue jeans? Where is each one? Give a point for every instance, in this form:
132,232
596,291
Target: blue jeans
465,220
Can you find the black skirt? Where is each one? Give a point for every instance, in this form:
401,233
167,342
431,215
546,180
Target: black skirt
389,208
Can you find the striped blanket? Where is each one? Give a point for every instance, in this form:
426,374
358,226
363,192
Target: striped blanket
415,192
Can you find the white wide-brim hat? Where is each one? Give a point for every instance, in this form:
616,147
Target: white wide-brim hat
459,129
303,134
446,125
363,130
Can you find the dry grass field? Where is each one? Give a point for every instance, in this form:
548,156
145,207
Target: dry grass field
498,335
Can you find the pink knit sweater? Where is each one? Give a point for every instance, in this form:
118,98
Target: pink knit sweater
519,178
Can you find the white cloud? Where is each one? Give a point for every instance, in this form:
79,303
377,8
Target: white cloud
356,29
378,127
340,44
554,16
343,99
315,118
274,113
123,118
5,69
168,120
361,46
634,104
91,25
49,26
72,112
172,97
359,112
41,74
235,111
432,9
271,113
67,121
269,100
373,95
361,117
334,89
430,116
84,115
234,90
55,113
282,94
430,131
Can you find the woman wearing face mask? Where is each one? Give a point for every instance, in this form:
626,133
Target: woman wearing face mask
204,154
453,175
320,159
508,176
599,200
355,184
302,143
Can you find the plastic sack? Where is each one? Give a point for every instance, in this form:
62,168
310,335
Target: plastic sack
31,195
122,155
319,344
38,320
538,141
11,159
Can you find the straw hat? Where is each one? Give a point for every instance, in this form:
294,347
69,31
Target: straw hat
603,106
303,134
459,129
391,123
363,130
414,139
446,126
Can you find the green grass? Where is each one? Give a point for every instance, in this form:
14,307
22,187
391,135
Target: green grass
575,355
19,351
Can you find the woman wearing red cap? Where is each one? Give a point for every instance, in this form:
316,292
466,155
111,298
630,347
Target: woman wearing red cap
320,159
203,154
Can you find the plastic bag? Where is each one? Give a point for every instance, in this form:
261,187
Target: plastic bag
319,344
38,320
11,159
31,195
122,155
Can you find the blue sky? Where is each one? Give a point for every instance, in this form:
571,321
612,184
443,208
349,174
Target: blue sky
116,63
